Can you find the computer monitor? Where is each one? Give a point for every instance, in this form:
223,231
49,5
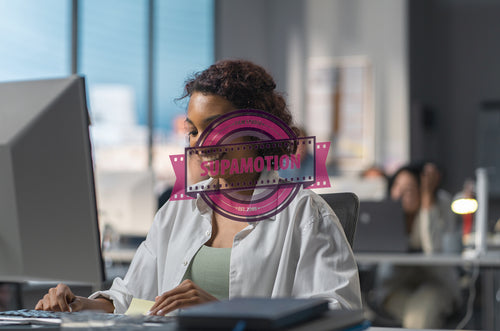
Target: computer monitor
48,217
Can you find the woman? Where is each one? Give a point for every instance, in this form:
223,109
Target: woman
429,220
299,252
421,297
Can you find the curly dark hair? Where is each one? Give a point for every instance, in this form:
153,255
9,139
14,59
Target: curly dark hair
244,84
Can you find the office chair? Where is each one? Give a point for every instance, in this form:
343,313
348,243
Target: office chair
346,206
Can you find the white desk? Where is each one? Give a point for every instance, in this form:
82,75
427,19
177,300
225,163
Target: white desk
167,327
488,264
489,260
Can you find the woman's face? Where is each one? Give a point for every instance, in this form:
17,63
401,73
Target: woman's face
202,110
406,190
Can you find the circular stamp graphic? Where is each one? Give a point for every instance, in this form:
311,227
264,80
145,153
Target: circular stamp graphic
257,141
243,153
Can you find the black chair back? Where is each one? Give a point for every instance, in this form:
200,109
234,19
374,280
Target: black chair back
346,207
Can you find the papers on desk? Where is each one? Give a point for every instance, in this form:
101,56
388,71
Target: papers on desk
139,307
12,320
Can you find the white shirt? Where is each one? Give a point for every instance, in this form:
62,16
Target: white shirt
300,252
434,229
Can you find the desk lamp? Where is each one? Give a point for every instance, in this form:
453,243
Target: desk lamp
465,204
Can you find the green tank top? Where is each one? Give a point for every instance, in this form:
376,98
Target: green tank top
209,269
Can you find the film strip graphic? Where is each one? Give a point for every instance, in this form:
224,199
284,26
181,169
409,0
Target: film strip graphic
267,155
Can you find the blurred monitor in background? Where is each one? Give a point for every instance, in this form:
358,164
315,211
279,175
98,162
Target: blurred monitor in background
365,189
126,201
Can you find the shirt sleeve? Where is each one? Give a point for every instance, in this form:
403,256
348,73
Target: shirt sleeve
139,282
326,267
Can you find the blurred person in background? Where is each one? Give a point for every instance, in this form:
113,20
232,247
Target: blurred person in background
429,220
373,171
422,297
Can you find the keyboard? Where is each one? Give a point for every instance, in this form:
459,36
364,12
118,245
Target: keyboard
31,316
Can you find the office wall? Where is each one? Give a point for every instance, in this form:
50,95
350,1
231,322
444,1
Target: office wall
282,35
454,66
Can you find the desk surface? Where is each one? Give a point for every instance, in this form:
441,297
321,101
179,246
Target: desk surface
489,260
174,327
167,327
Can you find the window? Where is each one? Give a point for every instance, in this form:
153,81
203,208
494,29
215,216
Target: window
183,45
34,39
113,58
113,55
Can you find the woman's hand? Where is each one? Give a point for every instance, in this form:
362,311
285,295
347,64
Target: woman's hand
59,298
185,295
429,183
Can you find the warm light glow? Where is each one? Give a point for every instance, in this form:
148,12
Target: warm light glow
464,206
